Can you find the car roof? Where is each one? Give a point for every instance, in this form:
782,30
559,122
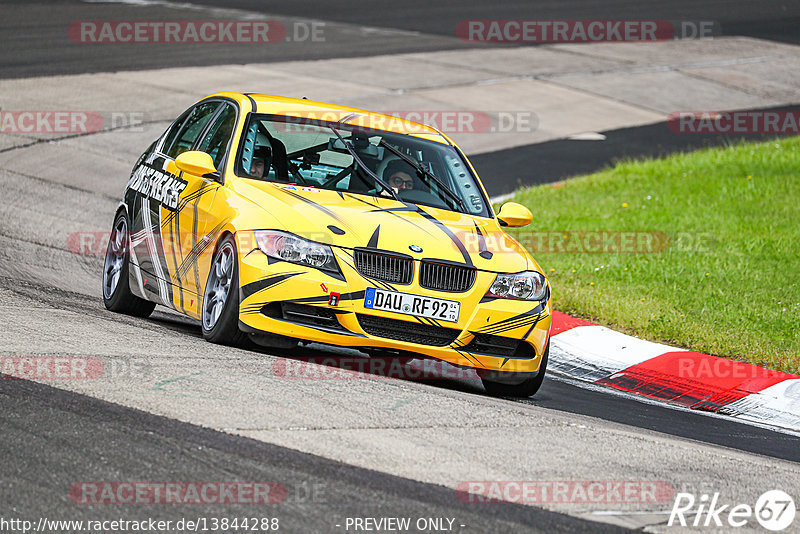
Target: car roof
312,109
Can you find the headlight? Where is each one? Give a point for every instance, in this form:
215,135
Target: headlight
529,285
288,247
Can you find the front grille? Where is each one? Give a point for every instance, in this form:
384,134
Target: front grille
446,276
492,345
389,267
406,331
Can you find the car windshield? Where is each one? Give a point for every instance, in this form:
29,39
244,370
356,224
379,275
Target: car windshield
354,160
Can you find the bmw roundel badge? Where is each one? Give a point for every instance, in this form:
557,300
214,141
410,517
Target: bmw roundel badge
415,248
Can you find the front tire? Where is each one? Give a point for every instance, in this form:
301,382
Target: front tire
117,295
527,388
220,312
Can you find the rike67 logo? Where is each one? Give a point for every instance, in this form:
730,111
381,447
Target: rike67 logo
774,510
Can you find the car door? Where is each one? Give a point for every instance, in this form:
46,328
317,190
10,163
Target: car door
192,230
158,196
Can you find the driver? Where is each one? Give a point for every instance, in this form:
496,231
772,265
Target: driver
262,157
397,175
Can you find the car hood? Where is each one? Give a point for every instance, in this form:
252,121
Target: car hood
349,221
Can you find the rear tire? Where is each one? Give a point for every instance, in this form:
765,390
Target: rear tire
220,311
117,295
527,388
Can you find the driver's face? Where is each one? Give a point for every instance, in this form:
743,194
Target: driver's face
257,168
401,180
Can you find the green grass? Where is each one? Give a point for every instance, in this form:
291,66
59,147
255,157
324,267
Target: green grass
728,280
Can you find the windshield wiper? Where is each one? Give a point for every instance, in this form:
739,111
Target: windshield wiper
350,149
421,170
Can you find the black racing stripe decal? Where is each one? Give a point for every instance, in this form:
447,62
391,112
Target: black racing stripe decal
203,189
174,229
190,261
270,281
161,253
373,240
516,318
468,356
456,241
532,320
354,295
481,238
534,311
513,326
193,263
458,344
333,274
420,320
337,276
427,320
199,248
324,209
328,330
512,321
436,322
249,310
483,250
528,332
391,211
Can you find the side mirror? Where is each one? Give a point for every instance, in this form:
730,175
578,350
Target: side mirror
513,214
197,163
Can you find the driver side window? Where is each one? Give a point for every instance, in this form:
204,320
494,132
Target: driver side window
191,128
215,142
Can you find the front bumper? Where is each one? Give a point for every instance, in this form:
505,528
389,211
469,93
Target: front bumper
291,300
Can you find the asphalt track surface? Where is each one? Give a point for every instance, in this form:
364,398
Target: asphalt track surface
36,42
767,20
52,438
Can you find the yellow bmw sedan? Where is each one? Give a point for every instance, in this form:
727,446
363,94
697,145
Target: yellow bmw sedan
284,220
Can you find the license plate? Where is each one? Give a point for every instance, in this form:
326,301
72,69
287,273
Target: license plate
408,304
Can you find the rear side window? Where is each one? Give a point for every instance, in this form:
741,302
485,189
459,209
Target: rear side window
215,142
190,130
